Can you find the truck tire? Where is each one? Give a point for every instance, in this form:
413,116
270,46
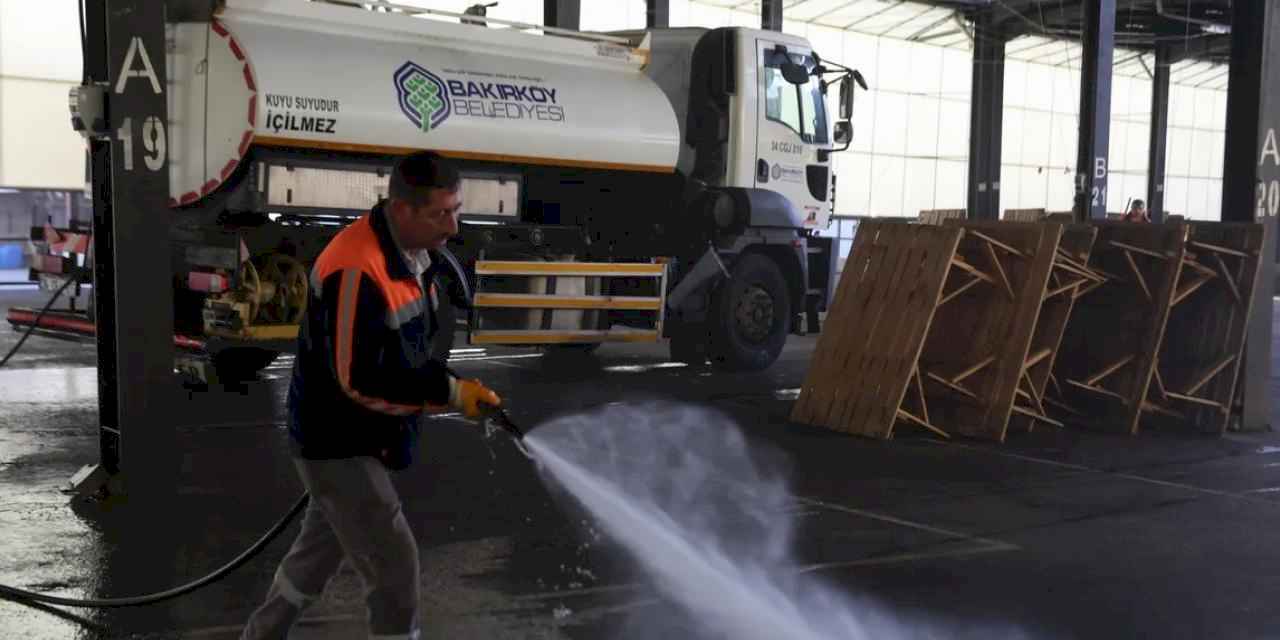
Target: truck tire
750,316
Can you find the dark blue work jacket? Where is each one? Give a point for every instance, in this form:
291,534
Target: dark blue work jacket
365,372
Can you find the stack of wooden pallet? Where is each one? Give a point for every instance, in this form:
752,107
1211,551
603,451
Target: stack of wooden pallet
976,328
1109,349
1160,338
937,216
1024,215
866,355
931,327
1203,344
975,357
1070,277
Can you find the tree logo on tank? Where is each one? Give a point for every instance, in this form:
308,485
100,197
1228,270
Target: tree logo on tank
423,96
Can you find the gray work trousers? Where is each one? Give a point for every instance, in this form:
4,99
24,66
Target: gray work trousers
353,511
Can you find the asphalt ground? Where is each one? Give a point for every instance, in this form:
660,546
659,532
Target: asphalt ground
1053,534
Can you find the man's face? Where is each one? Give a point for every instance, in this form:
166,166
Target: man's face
430,225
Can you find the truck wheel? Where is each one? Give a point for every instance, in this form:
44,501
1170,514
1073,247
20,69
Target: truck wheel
751,315
239,364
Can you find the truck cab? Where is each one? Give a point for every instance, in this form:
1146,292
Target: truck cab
757,147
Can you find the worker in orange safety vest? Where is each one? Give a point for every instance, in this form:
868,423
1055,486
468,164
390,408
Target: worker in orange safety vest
363,375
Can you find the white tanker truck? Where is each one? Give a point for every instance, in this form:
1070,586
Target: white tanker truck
665,183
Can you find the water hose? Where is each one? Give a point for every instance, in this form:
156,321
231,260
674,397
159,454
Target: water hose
495,414
36,322
27,597
22,596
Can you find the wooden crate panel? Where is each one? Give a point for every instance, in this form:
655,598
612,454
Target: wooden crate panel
866,354
977,347
1204,337
1108,352
1069,275
937,216
1024,215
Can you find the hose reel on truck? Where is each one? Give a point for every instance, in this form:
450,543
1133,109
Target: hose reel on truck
270,298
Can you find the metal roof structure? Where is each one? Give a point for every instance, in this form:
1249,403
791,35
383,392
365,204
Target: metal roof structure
1042,31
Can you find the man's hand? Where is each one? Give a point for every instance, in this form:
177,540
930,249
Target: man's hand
467,395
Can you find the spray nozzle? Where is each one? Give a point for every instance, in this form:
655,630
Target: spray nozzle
498,416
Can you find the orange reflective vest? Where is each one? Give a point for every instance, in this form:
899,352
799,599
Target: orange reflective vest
364,370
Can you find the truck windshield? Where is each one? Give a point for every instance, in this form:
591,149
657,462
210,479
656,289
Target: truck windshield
800,108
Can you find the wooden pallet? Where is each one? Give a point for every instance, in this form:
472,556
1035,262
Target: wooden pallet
976,353
1195,377
937,216
1024,215
1108,352
866,355
1069,277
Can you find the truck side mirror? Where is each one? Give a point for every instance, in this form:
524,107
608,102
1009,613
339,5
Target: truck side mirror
846,99
843,133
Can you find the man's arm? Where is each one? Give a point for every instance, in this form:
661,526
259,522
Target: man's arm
367,374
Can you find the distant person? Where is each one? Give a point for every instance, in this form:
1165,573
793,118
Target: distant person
1137,212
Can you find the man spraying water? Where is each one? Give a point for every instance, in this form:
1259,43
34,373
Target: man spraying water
364,373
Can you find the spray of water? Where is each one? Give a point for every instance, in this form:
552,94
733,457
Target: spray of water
707,517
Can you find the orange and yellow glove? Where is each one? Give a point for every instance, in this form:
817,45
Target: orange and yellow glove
467,396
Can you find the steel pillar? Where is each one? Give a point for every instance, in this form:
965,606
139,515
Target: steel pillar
1159,133
133,288
1251,179
986,119
657,14
771,15
1098,51
565,14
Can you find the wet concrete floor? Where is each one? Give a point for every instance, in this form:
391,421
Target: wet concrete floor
1051,535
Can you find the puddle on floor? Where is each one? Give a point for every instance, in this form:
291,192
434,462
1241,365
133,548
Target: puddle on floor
71,384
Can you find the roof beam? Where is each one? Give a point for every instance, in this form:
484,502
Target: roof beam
834,10
931,26
1034,18
927,9
941,34
874,14
1205,46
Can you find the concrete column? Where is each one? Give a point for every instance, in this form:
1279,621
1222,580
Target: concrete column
1159,133
771,15
564,14
1251,178
657,14
986,119
1098,44
133,288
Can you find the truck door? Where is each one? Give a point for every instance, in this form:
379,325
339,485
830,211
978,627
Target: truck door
791,126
